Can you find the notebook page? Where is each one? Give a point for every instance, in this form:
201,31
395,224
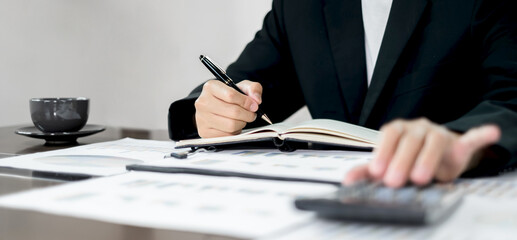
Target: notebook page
277,127
337,128
247,135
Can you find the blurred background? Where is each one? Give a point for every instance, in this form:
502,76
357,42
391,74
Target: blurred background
132,58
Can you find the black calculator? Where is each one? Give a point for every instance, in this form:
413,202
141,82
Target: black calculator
371,202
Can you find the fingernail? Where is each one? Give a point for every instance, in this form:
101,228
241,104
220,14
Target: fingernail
257,97
420,173
393,178
254,107
375,167
347,181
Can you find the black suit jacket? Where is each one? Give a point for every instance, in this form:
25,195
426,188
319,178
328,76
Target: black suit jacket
451,61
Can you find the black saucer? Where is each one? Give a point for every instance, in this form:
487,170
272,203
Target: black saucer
60,138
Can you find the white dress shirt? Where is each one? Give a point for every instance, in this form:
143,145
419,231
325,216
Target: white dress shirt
375,19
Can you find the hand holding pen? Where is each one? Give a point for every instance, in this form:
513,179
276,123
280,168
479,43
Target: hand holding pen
224,108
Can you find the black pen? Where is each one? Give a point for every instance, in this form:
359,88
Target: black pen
221,75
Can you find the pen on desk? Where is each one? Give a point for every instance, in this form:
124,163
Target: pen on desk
192,151
180,155
221,75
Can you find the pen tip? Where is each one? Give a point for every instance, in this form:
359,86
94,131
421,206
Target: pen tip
266,119
201,57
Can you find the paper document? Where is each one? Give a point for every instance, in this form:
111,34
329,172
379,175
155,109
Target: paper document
100,159
325,229
224,206
493,188
303,164
481,218
488,211
478,218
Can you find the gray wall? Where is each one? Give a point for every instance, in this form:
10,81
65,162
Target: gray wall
131,57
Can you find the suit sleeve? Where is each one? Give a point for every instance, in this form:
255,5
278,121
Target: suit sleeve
267,60
494,32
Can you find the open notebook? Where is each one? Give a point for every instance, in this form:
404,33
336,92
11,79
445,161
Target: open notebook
287,137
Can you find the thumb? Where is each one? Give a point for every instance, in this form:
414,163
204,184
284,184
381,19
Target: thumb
475,140
252,89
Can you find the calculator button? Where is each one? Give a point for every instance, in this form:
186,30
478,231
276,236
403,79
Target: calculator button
406,195
384,194
431,196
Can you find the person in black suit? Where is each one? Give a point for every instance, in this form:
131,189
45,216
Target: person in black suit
443,85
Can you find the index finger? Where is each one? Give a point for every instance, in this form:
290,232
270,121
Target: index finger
390,137
230,95
357,174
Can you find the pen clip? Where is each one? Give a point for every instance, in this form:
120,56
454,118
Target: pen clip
192,151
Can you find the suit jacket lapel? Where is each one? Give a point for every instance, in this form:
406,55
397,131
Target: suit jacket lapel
346,35
404,17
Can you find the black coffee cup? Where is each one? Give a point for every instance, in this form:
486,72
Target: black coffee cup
51,115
